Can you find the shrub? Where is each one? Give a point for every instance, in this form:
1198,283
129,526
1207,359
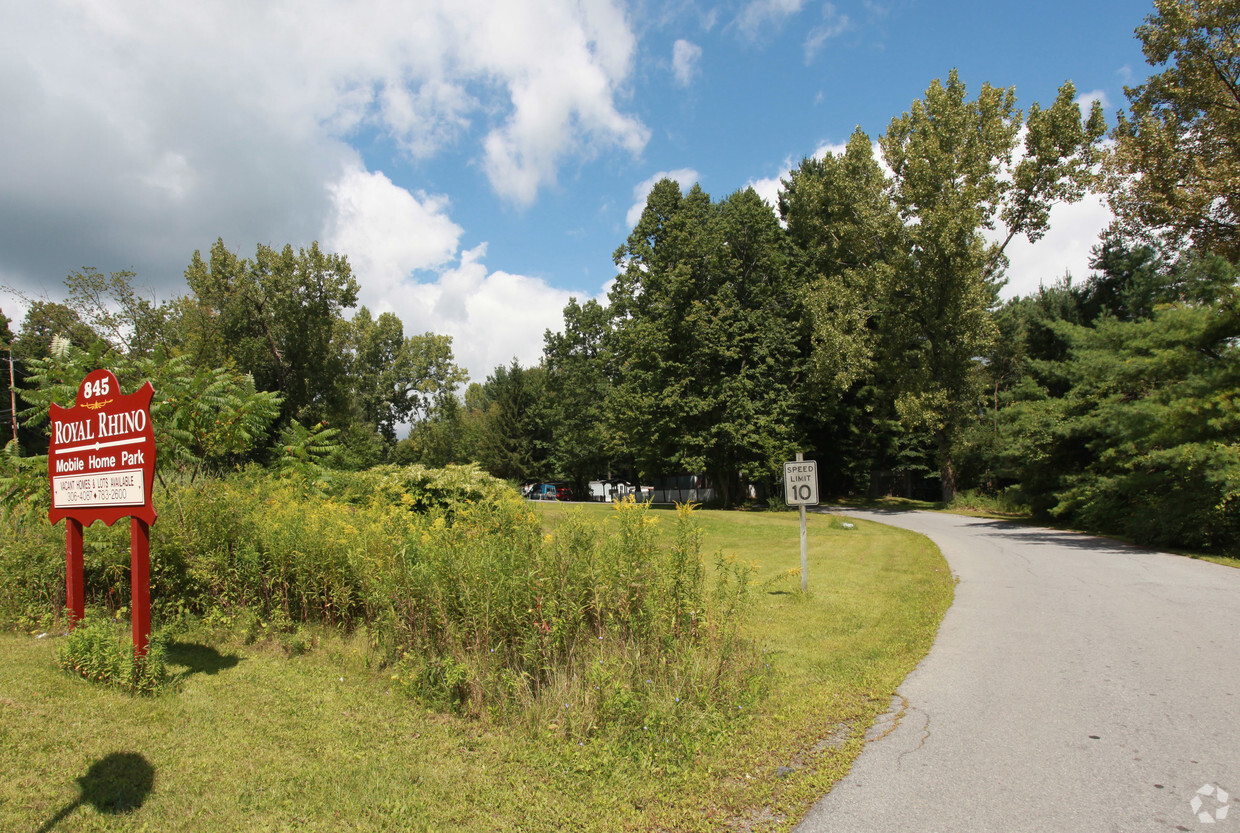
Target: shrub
574,630
102,652
416,487
1004,502
32,566
588,629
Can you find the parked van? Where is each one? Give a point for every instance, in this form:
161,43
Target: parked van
551,491
606,491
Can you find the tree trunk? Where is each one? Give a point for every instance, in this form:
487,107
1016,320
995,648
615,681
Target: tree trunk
947,472
723,489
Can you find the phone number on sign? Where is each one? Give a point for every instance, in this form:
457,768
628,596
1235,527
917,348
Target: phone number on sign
116,488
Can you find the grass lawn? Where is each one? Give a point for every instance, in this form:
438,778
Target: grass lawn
253,740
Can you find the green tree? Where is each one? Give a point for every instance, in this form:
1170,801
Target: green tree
44,321
1144,442
845,235
583,441
1024,368
394,379
114,310
275,316
1176,163
6,343
439,437
205,419
709,342
846,238
1129,281
953,176
505,422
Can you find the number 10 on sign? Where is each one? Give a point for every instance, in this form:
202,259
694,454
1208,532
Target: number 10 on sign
801,489
801,483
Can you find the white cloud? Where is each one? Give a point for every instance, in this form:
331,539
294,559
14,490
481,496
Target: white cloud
135,134
835,148
492,317
425,119
172,174
403,248
834,23
386,231
1086,101
768,188
757,14
685,57
562,72
685,177
1074,230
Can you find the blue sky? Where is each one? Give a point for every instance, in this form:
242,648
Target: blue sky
478,162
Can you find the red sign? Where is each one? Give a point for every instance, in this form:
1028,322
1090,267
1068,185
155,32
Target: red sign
101,460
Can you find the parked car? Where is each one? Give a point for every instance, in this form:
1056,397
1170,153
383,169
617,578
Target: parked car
551,491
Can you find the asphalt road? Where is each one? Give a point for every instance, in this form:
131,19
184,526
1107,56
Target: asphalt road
1075,685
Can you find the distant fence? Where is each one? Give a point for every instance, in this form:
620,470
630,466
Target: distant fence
684,488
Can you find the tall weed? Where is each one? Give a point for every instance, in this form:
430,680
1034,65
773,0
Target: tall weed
582,629
575,631
32,567
102,652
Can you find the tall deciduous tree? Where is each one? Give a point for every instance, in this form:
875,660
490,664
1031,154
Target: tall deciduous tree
846,236
1176,163
946,156
929,281
111,307
44,321
394,379
439,438
9,407
275,316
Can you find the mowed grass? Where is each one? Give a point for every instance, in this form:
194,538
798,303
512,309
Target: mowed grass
251,739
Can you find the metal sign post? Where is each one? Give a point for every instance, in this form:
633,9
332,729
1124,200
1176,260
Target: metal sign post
801,489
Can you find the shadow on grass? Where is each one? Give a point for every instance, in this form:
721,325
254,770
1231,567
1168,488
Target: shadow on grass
200,659
114,784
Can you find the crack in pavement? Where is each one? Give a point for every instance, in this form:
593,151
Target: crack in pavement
871,737
892,719
924,737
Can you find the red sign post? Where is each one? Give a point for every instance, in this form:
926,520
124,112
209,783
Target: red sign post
101,462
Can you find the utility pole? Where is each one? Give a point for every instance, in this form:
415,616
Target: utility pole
13,395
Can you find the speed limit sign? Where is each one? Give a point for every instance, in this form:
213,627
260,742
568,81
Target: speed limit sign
801,483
